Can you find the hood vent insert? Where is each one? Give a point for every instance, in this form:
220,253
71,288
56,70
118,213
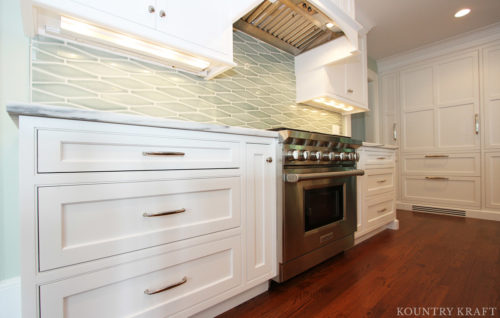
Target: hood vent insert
291,25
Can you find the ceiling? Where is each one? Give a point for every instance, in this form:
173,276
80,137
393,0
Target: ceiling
402,25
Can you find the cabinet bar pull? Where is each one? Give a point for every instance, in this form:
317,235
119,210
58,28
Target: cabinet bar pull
381,158
436,156
381,181
350,90
152,292
437,178
394,132
383,210
151,215
162,153
476,123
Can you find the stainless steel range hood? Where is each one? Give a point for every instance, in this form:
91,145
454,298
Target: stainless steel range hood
292,25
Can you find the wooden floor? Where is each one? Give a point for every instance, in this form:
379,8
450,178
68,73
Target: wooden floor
432,261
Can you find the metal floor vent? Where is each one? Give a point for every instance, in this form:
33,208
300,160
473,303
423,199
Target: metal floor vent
421,208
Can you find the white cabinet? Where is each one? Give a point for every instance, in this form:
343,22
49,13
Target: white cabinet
261,201
112,213
376,196
492,179
190,35
440,105
491,100
389,109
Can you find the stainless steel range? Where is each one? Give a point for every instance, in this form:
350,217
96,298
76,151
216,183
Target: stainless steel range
319,199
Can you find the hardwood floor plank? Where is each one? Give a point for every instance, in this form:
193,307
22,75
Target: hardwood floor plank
432,260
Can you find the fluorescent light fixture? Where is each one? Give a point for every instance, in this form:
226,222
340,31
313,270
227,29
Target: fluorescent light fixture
462,13
329,25
128,42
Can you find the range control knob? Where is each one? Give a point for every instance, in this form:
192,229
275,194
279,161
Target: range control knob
343,156
357,156
305,155
351,156
316,155
295,155
334,156
289,156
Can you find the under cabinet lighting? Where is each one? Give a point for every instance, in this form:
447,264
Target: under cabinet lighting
128,42
462,13
329,25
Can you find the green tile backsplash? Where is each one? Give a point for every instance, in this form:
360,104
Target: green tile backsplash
258,93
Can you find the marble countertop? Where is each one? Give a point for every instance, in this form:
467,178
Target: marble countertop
377,145
38,110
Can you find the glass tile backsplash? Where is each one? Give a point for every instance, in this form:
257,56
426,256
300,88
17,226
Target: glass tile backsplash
258,93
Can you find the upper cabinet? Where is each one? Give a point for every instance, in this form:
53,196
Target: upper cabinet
440,104
389,109
195,36
333,78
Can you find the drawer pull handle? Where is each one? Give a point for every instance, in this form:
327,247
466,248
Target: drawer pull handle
382,210
151,215
163,153
476,124
437,178
350,90
436,156
152,292
381,158
381,181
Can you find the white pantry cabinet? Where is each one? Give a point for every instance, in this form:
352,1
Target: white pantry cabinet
123,220
440,105
389,109
491,101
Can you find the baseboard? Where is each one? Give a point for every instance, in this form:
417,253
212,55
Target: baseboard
469,213
10,298
233,302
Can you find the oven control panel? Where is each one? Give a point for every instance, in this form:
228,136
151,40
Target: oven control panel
318,155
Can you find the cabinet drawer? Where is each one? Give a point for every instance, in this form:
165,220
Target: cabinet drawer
379,181
377,158
380,209
453,191
68,151
206,270
85,222
460,164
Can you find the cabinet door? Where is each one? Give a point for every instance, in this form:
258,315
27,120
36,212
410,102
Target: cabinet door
206,23
261,208
135,11
354,81
492,180
389,107
457,99
491,67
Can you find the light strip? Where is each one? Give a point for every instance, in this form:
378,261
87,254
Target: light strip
124,41
332,103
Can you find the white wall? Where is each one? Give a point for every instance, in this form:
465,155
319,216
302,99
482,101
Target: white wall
14,86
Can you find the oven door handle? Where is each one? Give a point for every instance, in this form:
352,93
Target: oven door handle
292,177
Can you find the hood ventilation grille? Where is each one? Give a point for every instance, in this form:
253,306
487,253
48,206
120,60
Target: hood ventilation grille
291,25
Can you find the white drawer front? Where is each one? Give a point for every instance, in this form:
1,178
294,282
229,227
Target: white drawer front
453,191
465,164
85,222
380,209
67,151
376,158
379,181
209,269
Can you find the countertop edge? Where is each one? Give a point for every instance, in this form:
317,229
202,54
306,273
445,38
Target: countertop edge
377,145
38,110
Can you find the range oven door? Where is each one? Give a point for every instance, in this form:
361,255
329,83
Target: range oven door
320,207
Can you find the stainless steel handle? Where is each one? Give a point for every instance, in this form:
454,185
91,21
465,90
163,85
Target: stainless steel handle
437,178
381,181
162,14
381,158
436,156
163,153
476,123
350,90
394,132
151,215
269,159
293,177
152,292
382,210
151,9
